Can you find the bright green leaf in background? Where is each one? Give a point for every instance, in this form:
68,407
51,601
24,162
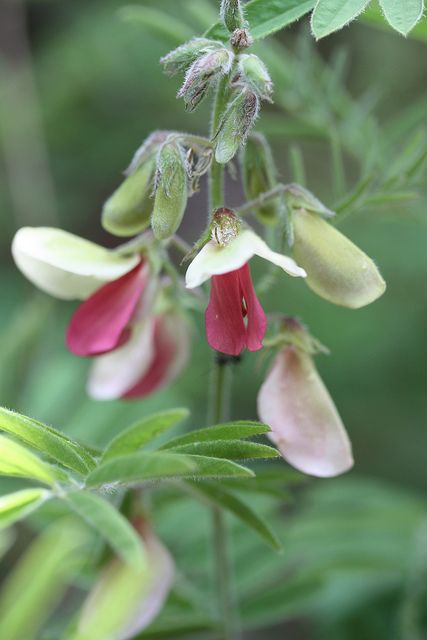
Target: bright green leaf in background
143,431
402,15
110,524
37,584
331,15
267,16
17,461
231,449
47,440
18,505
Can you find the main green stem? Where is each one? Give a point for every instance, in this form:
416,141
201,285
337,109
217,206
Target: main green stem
219,400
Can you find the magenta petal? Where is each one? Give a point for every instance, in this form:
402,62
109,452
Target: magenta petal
225,328
256,318
171,347
100,324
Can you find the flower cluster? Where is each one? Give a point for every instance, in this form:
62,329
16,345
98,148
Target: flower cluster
132,320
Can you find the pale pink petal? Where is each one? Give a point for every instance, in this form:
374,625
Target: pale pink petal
113,374
100,324
170,354
306,426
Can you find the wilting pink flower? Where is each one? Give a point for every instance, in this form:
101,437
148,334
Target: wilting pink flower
233,299
234,317
156,352
127,599
304,421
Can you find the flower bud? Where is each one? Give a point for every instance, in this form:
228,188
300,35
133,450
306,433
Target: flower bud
236,125
254,74
232,14
202,74
296,197
171,194
226,226
304,422
182,57
336,269
127,212
260,175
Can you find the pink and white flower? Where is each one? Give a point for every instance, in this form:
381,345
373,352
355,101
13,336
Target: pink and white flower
136,351
305,424
234,317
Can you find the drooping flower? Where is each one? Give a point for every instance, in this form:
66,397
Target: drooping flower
126,599
305,424
154,355
136,349
234,316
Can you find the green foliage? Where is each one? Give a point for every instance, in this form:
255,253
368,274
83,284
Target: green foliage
16,460
331,15
18,505
109,524
402,16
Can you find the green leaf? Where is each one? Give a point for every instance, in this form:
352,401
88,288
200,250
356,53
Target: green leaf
331,15
231,449
142,432
38,582
47,440
110,524
402,15
16,460
18,505
170,28
139,467
266,17
226,431
228,500
374,17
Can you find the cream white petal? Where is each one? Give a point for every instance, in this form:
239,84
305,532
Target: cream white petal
305,424
113,374
214,260
64,265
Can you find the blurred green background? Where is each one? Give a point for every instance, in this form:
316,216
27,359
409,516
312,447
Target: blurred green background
81,87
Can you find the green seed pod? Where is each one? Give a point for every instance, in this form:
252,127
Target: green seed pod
254,74
260,175
171,195
182,57
128,211
236,125
337,270
232,14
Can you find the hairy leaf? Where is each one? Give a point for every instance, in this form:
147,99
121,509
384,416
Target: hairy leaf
402,15
231,449
16,460
143,431
18,505
331,15
226,431
47,440
110,524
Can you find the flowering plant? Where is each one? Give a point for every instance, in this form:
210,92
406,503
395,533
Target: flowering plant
134,322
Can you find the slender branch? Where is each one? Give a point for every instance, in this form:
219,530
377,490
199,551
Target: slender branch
278,190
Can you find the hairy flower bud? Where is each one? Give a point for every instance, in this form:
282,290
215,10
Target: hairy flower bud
254,74
232,14
171,194
202,74
236,125
182,57
337,270
226,226
260,175
128,210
